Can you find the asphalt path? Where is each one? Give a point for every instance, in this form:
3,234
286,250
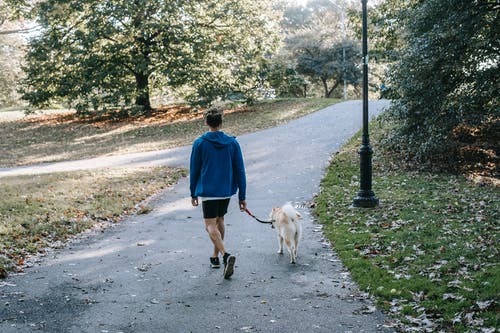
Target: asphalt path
151,273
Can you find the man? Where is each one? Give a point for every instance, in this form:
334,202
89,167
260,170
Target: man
217,172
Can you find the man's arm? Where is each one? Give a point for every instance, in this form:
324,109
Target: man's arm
194,169
239,169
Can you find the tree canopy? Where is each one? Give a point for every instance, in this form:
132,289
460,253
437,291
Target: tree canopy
325,63
319,40
11,48
94,53
446,81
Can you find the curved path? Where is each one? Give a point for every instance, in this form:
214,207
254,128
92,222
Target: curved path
150,273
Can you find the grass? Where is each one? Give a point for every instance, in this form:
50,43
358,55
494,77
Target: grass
44,210
40,211
428,253
61,136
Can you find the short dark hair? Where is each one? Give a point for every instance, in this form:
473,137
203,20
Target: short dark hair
213,117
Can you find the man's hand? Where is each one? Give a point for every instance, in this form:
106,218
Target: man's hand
243,205
194,201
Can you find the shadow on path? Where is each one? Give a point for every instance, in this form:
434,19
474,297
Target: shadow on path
151,273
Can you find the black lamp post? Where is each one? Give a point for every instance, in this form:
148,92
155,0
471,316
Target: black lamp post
366,197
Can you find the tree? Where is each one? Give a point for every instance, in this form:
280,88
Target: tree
447,79
10,72
326,64
94,53
318,39
282,76
386,30
12,44
386,23
13,9
320,57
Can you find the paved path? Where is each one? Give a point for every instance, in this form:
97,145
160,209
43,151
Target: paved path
150,273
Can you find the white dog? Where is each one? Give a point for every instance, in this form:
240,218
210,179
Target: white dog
286,222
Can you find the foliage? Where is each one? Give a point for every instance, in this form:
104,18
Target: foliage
325,63
284,79
446,83
10,54
98,53
387,22
11,51
428,253
316,37
299,16
319,50
13,9
11,48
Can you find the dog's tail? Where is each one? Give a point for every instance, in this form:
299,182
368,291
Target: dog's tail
291,212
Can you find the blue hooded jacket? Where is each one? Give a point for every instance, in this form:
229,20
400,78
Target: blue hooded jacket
217,168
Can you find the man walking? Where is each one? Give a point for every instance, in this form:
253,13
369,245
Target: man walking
217,172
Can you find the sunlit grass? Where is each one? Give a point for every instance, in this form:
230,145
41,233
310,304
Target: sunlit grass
29,141
43,210
39,211
428,253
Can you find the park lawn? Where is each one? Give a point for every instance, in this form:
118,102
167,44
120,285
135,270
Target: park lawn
60,136
429,253
41,211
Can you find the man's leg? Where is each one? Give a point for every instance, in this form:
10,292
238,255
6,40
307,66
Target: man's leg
222,230
216,234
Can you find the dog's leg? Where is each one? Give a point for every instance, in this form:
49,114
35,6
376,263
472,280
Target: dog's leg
293,258
280,249
291,250
296,248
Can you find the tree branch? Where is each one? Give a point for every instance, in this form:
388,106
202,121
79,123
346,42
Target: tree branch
18,31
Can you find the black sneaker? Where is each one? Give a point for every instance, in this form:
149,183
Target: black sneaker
229,261
224,258
214,262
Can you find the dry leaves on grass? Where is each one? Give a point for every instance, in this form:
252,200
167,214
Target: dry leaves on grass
63,136
428,253
43,211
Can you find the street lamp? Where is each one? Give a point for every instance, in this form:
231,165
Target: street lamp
366,197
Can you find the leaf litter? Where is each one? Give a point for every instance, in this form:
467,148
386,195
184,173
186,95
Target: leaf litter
428,253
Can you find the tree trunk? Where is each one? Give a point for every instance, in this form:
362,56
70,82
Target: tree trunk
142,98
325,87
333,88
328,92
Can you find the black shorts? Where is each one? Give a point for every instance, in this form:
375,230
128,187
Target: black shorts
214,208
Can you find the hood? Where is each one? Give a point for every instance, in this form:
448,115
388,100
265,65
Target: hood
218,139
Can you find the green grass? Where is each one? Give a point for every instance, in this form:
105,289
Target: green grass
37,212
29,141
428,253
43,210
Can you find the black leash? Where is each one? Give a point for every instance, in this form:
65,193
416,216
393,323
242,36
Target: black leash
257,219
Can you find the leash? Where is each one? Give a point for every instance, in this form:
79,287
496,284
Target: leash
257,219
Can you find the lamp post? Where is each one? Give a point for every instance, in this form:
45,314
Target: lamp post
366,197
